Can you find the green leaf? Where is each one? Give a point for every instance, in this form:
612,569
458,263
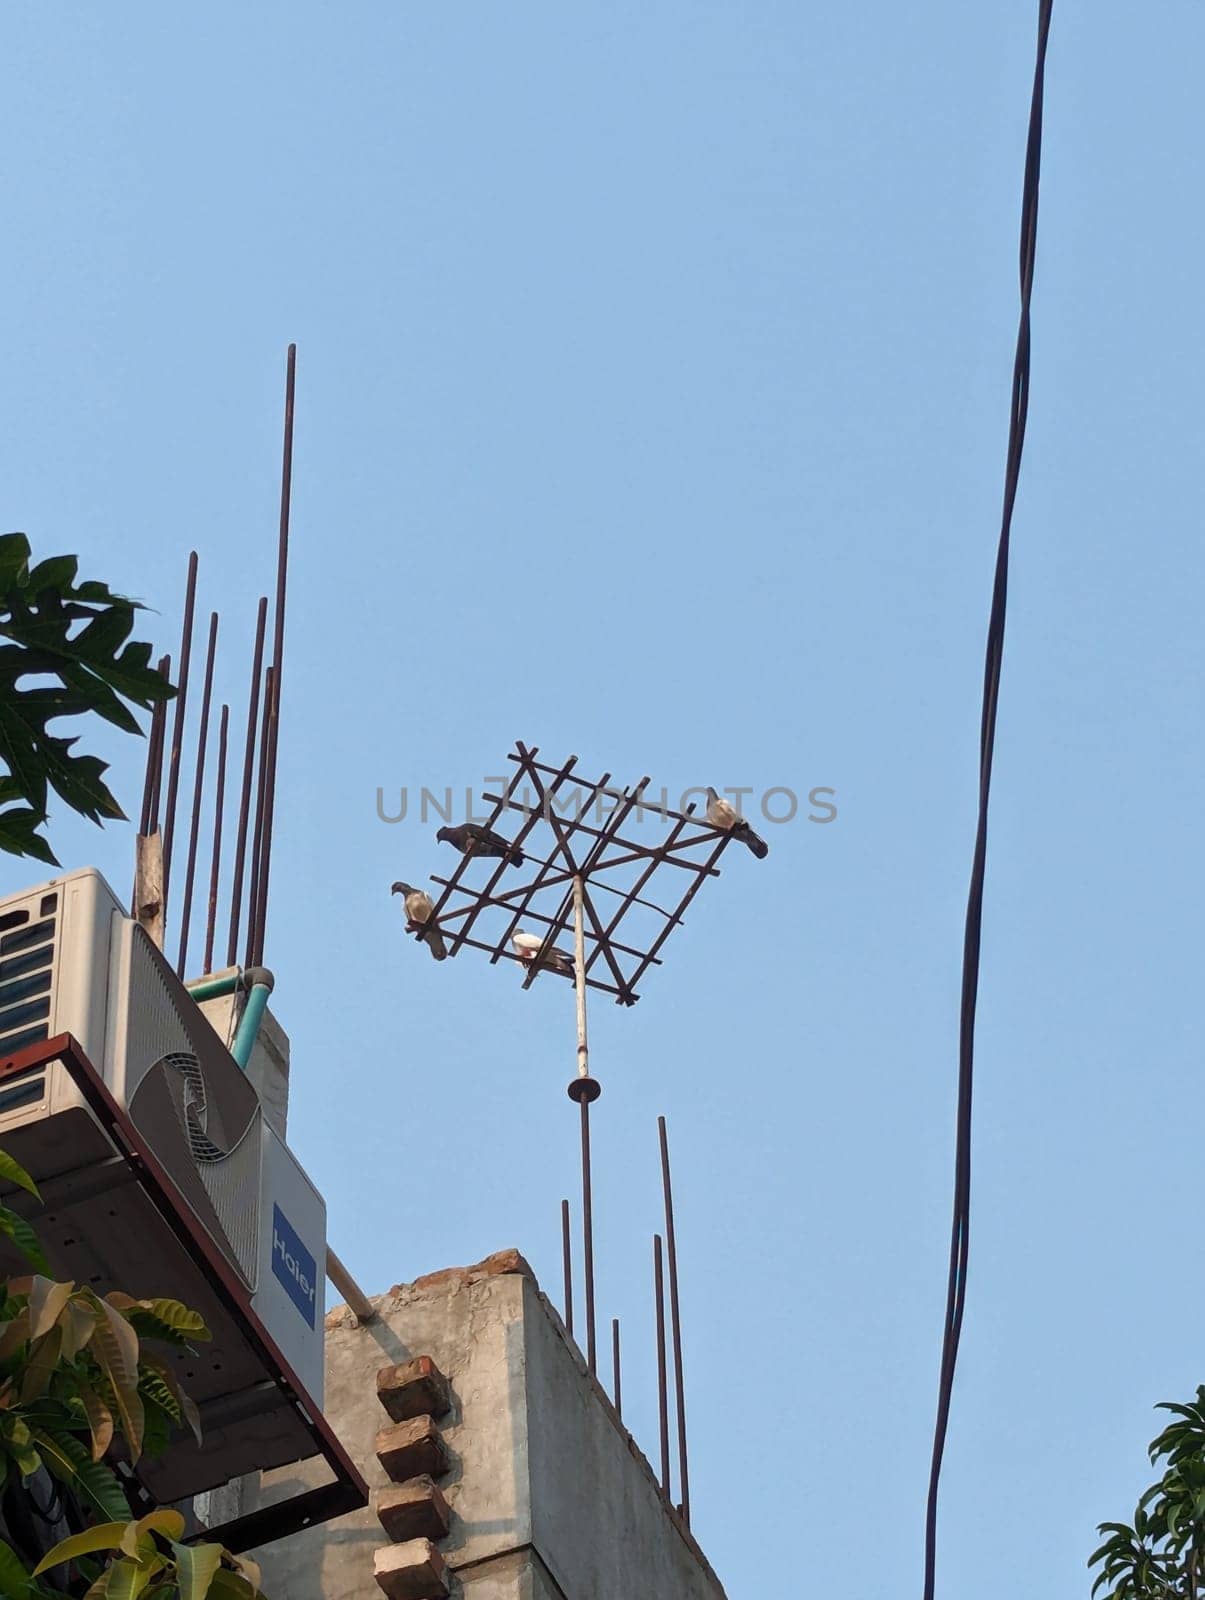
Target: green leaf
20,1442
70,1462
115,1346
152,1318
57,628
229,1585
11,1171
105,1536
19,835
187,1411
57,572
14,560
126,1579
167,1521
196,1565
43,1360
25,1239
15,1582
47,1300
100,1420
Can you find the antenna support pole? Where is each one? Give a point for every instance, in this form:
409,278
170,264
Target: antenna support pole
579,976
584,1089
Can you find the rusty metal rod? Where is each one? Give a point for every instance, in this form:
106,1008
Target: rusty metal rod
524,830
165,667
173,770
706,869
148,780
215,863
578,870
154,745
650,868
662,1389
567,1262
257,831
580,898
529,915
278,648
603,941
509,955
675,1317
643,853
616,1383
592,856
667,812
271,730
198,792
528,891
608,888
639,851
244,809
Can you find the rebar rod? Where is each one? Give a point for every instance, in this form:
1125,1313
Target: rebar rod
173,771
215,862
244,809
662,1388
671,1248
198,792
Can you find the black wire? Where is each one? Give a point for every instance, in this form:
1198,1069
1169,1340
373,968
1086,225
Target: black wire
960,1229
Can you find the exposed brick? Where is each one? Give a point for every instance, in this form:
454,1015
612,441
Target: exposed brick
411,1449
413,1389
501,1264
413,1510
411,1571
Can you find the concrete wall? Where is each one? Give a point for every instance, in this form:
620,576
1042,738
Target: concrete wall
550,1498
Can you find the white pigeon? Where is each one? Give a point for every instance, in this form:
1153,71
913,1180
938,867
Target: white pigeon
527,948
723,814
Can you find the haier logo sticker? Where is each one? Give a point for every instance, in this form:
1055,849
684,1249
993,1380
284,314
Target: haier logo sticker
294,1265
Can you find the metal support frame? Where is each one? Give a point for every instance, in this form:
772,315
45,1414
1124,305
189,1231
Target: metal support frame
579,867
348,1492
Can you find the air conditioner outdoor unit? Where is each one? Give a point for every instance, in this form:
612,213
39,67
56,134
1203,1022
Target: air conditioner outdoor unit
72,961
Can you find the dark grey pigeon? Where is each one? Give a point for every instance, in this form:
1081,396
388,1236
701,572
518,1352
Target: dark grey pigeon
470,838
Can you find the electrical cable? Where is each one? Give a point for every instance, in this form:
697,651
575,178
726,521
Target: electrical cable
960,1229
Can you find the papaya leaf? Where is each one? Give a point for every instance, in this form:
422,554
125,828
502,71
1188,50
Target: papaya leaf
77,634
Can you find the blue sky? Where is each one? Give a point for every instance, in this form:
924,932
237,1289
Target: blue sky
653,376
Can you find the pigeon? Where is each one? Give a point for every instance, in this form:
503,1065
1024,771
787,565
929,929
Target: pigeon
527,946
418,914
470,838
722,814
